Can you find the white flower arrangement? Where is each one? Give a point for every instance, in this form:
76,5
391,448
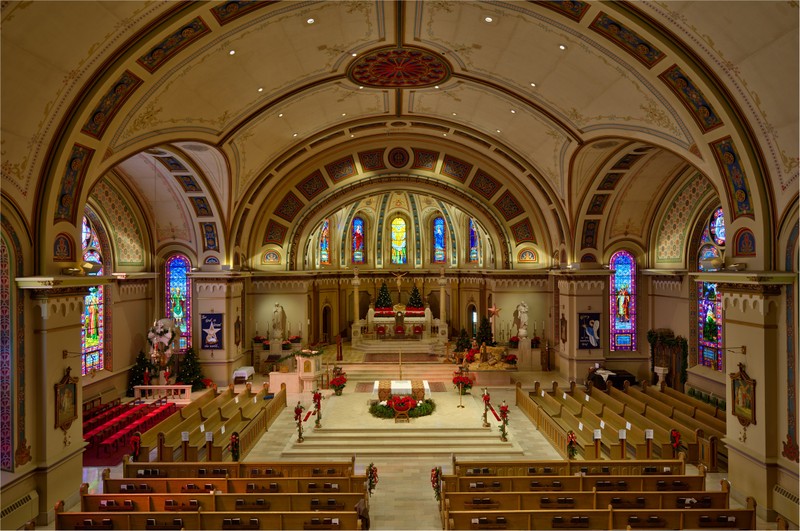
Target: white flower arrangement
161,333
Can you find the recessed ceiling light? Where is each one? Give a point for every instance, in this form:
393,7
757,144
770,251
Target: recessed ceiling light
513,111
280,115
436,87
444,134
352,136
359,88
344,114
454,114
310,21
562,47
294,134
533,84
497,130
232,52
488,19
261,89
354,54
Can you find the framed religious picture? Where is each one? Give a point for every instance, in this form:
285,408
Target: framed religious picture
66,401
211,331
589,331
743,396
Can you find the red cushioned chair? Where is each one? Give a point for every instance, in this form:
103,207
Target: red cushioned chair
381,330
417,331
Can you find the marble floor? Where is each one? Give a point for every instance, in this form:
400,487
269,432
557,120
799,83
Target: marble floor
403,498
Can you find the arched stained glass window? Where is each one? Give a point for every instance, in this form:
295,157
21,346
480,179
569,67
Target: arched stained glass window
399,241
622,303
92,332
473,241
439,248
325,244
358,241
178,297
709,301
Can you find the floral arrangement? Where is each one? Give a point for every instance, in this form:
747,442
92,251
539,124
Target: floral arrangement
487,404
265,344
422,408
469,357
372,477
338,383
286,345
161,334
572,444
316,399
436,482
208,382
504,421
511,359
136,445
513,341
295,339
675,439
535,340
235,446
401,403
462,382
298,418
259,339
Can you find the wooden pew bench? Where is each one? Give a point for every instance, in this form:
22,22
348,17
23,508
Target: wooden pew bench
568,467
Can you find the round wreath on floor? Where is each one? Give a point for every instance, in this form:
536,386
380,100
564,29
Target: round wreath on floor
384,410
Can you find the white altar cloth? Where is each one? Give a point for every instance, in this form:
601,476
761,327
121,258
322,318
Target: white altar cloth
244,372
401,387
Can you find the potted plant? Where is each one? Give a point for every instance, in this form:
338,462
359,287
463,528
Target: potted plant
513,342
337,384
295,339
511,359
535,341
462,382
286,345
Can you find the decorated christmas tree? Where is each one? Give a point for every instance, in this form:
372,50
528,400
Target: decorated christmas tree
414,300
463,343
189,372
485,333
384,299
136,374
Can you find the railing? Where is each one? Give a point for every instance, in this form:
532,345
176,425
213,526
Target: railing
180,394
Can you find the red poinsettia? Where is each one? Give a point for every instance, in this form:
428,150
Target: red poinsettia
338,382
401,403
675,439
459,380
469,357
572,444
511,359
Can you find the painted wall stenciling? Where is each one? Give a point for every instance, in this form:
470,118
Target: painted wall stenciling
523,231
417,233
275,233
744,243
455,168
790,446
202,208
736,186
169,47
693,98
113,100
125,233
371,160
172,163
484,184
598,204
6,362
63,248
312,185
589,239
508,205
574,9
271,257
381,228
232,9
210,240
289,207
672,233
627,39
424,159
341,169
71,183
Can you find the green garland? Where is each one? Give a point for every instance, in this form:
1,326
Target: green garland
423,409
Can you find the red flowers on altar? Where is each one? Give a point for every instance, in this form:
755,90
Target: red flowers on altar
338,383
511,359
401,403
675,439
462,382
469,357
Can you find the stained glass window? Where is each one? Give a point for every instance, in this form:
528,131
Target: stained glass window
325,244
709,301
358,241
92,332
473,242
399,241
622,301
178,297
439,249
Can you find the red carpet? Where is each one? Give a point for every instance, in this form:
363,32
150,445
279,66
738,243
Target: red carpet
394,357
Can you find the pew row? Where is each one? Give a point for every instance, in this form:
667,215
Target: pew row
605,518
236,469
572,483
328,484
567,468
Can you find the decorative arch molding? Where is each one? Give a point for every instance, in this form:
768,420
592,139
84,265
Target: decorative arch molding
763,302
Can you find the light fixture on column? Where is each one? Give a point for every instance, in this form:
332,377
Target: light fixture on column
742,350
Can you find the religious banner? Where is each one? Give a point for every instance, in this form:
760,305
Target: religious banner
589,331
211,327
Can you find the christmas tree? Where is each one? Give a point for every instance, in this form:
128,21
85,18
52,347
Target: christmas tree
136,374
485,333
414,301
463,343
189,371
384,299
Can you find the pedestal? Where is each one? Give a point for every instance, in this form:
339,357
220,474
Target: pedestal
662,374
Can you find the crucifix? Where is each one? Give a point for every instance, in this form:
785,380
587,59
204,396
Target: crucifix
397,277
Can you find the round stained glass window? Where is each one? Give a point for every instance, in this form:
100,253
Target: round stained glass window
717,227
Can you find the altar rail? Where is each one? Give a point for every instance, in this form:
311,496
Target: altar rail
178,393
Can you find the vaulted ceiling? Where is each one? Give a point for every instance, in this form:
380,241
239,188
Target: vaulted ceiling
563,125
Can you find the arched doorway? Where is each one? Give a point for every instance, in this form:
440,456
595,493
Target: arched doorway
327,324
472,320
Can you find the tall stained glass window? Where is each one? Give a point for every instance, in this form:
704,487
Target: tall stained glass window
622,303
439,249
92,332
325,243
358,241
709,301
473,241
399,241
178,297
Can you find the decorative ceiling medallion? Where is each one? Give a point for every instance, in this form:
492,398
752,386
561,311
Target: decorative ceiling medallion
399,68
398,157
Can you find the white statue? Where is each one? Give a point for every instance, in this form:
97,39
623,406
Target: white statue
278,322
428,314
371,313
522,319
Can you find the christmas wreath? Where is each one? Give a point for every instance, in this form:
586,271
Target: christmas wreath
372,477
436,482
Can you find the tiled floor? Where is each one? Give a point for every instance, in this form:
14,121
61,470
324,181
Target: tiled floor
404,498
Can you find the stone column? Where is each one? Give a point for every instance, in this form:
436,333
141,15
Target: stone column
443,326
355,330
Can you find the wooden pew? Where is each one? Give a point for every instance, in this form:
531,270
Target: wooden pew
714,411
149,438
308,469
575,483
551,429
521,467
566,420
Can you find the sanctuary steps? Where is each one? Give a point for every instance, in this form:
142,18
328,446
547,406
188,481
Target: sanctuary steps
393,346
401,440
369,372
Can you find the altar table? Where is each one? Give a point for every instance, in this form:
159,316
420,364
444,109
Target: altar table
417,389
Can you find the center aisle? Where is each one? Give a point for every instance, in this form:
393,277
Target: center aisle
403,498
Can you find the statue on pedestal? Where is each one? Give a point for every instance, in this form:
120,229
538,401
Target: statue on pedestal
278,322
521,319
